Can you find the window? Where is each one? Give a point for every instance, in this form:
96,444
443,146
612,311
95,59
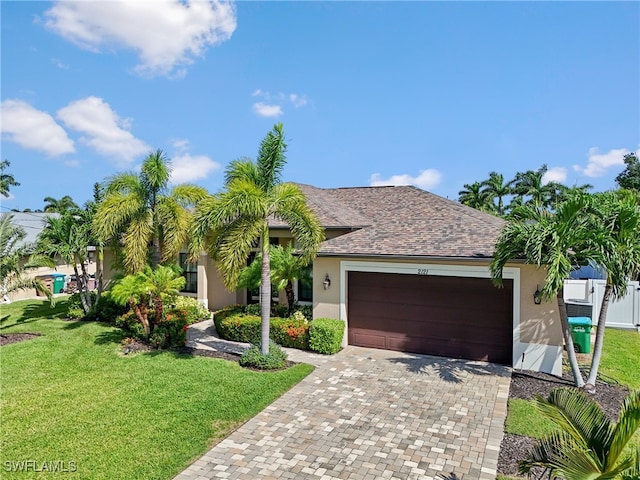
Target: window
190,273
305,285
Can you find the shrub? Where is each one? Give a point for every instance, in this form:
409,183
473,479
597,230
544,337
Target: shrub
278,310
172,332
193,310
74,307
253,357
237,326
106,310
325,335
130,324
306,310
252,309
290,332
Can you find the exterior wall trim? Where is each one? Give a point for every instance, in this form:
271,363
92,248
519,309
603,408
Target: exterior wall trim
547,358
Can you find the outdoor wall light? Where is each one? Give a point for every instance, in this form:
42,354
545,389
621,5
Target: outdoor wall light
327,282
537,296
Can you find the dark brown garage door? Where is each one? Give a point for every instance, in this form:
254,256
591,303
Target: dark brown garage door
447,316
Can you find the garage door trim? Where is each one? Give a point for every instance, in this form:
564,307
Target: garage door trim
475,271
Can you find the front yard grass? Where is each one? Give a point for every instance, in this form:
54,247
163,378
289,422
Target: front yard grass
70,396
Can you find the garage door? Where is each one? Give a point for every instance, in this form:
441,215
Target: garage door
447,316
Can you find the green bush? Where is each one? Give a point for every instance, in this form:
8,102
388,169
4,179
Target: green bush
252,309
130,324
106,310
194,311
172,332
253,357
325,335
307,310
290,332
237,326
74,307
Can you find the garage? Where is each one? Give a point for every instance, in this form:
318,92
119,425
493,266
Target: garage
459,317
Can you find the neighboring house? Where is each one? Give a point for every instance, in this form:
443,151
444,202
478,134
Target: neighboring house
33,223
408,270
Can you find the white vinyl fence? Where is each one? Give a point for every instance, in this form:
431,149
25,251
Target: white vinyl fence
586,296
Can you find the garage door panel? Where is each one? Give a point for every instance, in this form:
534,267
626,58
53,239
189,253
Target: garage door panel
447,316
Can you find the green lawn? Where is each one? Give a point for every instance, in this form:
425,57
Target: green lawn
70,396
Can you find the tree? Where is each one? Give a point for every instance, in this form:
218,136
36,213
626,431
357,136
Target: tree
68,236
12,258
614,245
549,241
496,189
59,206
473,195
228,225
6,179
141,209
588,444
148,288
286,268
629,178
535,190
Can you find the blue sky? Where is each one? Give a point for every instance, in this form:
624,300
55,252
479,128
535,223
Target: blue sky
435,94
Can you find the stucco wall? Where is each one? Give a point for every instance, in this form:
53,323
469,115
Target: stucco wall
538,323
218,295
326,303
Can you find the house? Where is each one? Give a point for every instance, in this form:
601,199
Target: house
33,223
408,270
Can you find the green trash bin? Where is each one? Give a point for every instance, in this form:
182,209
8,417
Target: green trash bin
58,282
581,333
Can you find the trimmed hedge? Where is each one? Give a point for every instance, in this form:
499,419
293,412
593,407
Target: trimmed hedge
325,335
275,359
290,332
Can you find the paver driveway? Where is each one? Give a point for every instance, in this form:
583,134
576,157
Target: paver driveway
367,414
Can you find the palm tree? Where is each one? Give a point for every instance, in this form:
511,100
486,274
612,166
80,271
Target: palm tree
496,188
588,444
616,247
473,195
286,268
68,237
229,224
6,179
146,288
12,255
530,184
59,206
553,242
139,209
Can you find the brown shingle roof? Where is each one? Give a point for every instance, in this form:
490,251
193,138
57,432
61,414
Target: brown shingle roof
407,221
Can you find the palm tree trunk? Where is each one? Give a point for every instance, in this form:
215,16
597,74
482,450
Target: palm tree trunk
85,292
597,348
141,314
290,297
568,341
99,269
265,293
157,252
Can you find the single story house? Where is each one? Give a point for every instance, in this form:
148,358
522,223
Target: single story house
408,270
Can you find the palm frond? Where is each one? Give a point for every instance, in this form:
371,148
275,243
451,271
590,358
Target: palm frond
271,158
628,424
155,172
136,238
242,169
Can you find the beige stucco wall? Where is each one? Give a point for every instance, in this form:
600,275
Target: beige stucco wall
539,324
60,268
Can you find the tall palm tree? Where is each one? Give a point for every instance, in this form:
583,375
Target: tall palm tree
496,188
588,444
229,224
68,237
553,242
12,255
59,206
141,209
473,195
530,185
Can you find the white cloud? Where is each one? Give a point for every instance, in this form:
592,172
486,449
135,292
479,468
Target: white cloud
266,110
298,100
58,63
166,34
33,129
103,130
598,163
180,145
426,180
555,174
188,168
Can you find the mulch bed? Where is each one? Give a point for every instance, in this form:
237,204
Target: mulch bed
8,338
526,385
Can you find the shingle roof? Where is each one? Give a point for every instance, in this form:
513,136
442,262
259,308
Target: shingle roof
403,221
331,211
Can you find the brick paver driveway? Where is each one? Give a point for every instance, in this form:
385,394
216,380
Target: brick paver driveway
367,414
